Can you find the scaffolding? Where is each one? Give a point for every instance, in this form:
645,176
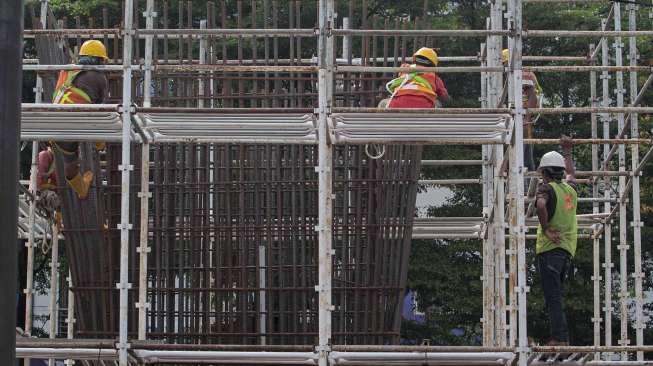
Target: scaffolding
337,124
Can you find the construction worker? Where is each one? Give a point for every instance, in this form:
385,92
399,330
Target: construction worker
417,89
531,96
557,234
76,87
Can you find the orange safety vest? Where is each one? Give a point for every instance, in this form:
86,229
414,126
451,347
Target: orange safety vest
67,93
414,83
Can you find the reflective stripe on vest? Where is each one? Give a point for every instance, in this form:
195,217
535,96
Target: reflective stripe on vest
411,84
563,220
66,93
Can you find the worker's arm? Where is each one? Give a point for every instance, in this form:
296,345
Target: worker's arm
567,143
529,92
441,90
543,215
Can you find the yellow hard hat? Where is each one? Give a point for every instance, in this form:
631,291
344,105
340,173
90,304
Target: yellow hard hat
427,53
93,48
505,55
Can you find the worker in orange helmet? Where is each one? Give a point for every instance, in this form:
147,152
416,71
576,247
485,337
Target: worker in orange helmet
418,89
75,87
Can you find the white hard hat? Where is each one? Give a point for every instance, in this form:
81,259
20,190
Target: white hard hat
552,159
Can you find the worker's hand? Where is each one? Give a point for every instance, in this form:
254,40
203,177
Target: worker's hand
552,234
566,142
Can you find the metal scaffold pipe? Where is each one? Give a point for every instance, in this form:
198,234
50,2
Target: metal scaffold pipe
241,32
589,141
101,354
28,107
125,168
56,68
636,223
451,162
325,182
476,69
54,285
31,244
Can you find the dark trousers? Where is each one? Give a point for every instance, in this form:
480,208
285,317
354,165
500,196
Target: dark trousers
553,267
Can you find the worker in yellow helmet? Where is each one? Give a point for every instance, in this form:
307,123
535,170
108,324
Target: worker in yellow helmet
76,87
418,89
531,97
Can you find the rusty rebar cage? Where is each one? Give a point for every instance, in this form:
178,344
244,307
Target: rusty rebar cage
234,251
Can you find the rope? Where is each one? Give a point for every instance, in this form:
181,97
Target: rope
380,151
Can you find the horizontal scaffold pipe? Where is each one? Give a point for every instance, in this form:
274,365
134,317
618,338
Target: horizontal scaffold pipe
423,110
475,69
42,107
451,162
590,349
183,110
481,32
449,181
64,343
561,110
237,68
72,353
580,199
589,110
421,358
154,345
160,33
583,34
588,141
218,357
589,173
234,67
72,32
434,349
340,61
423,33
586,68
38,67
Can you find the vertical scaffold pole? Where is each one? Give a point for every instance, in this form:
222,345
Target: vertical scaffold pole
54,286
623,230
70,318
488,278
512,244
607,233
636,224
325,153
516,181
495,84
38,88
596,255
144,250
125,168
31,245
202,61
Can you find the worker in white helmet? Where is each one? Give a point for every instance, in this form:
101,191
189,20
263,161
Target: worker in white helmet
557,234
